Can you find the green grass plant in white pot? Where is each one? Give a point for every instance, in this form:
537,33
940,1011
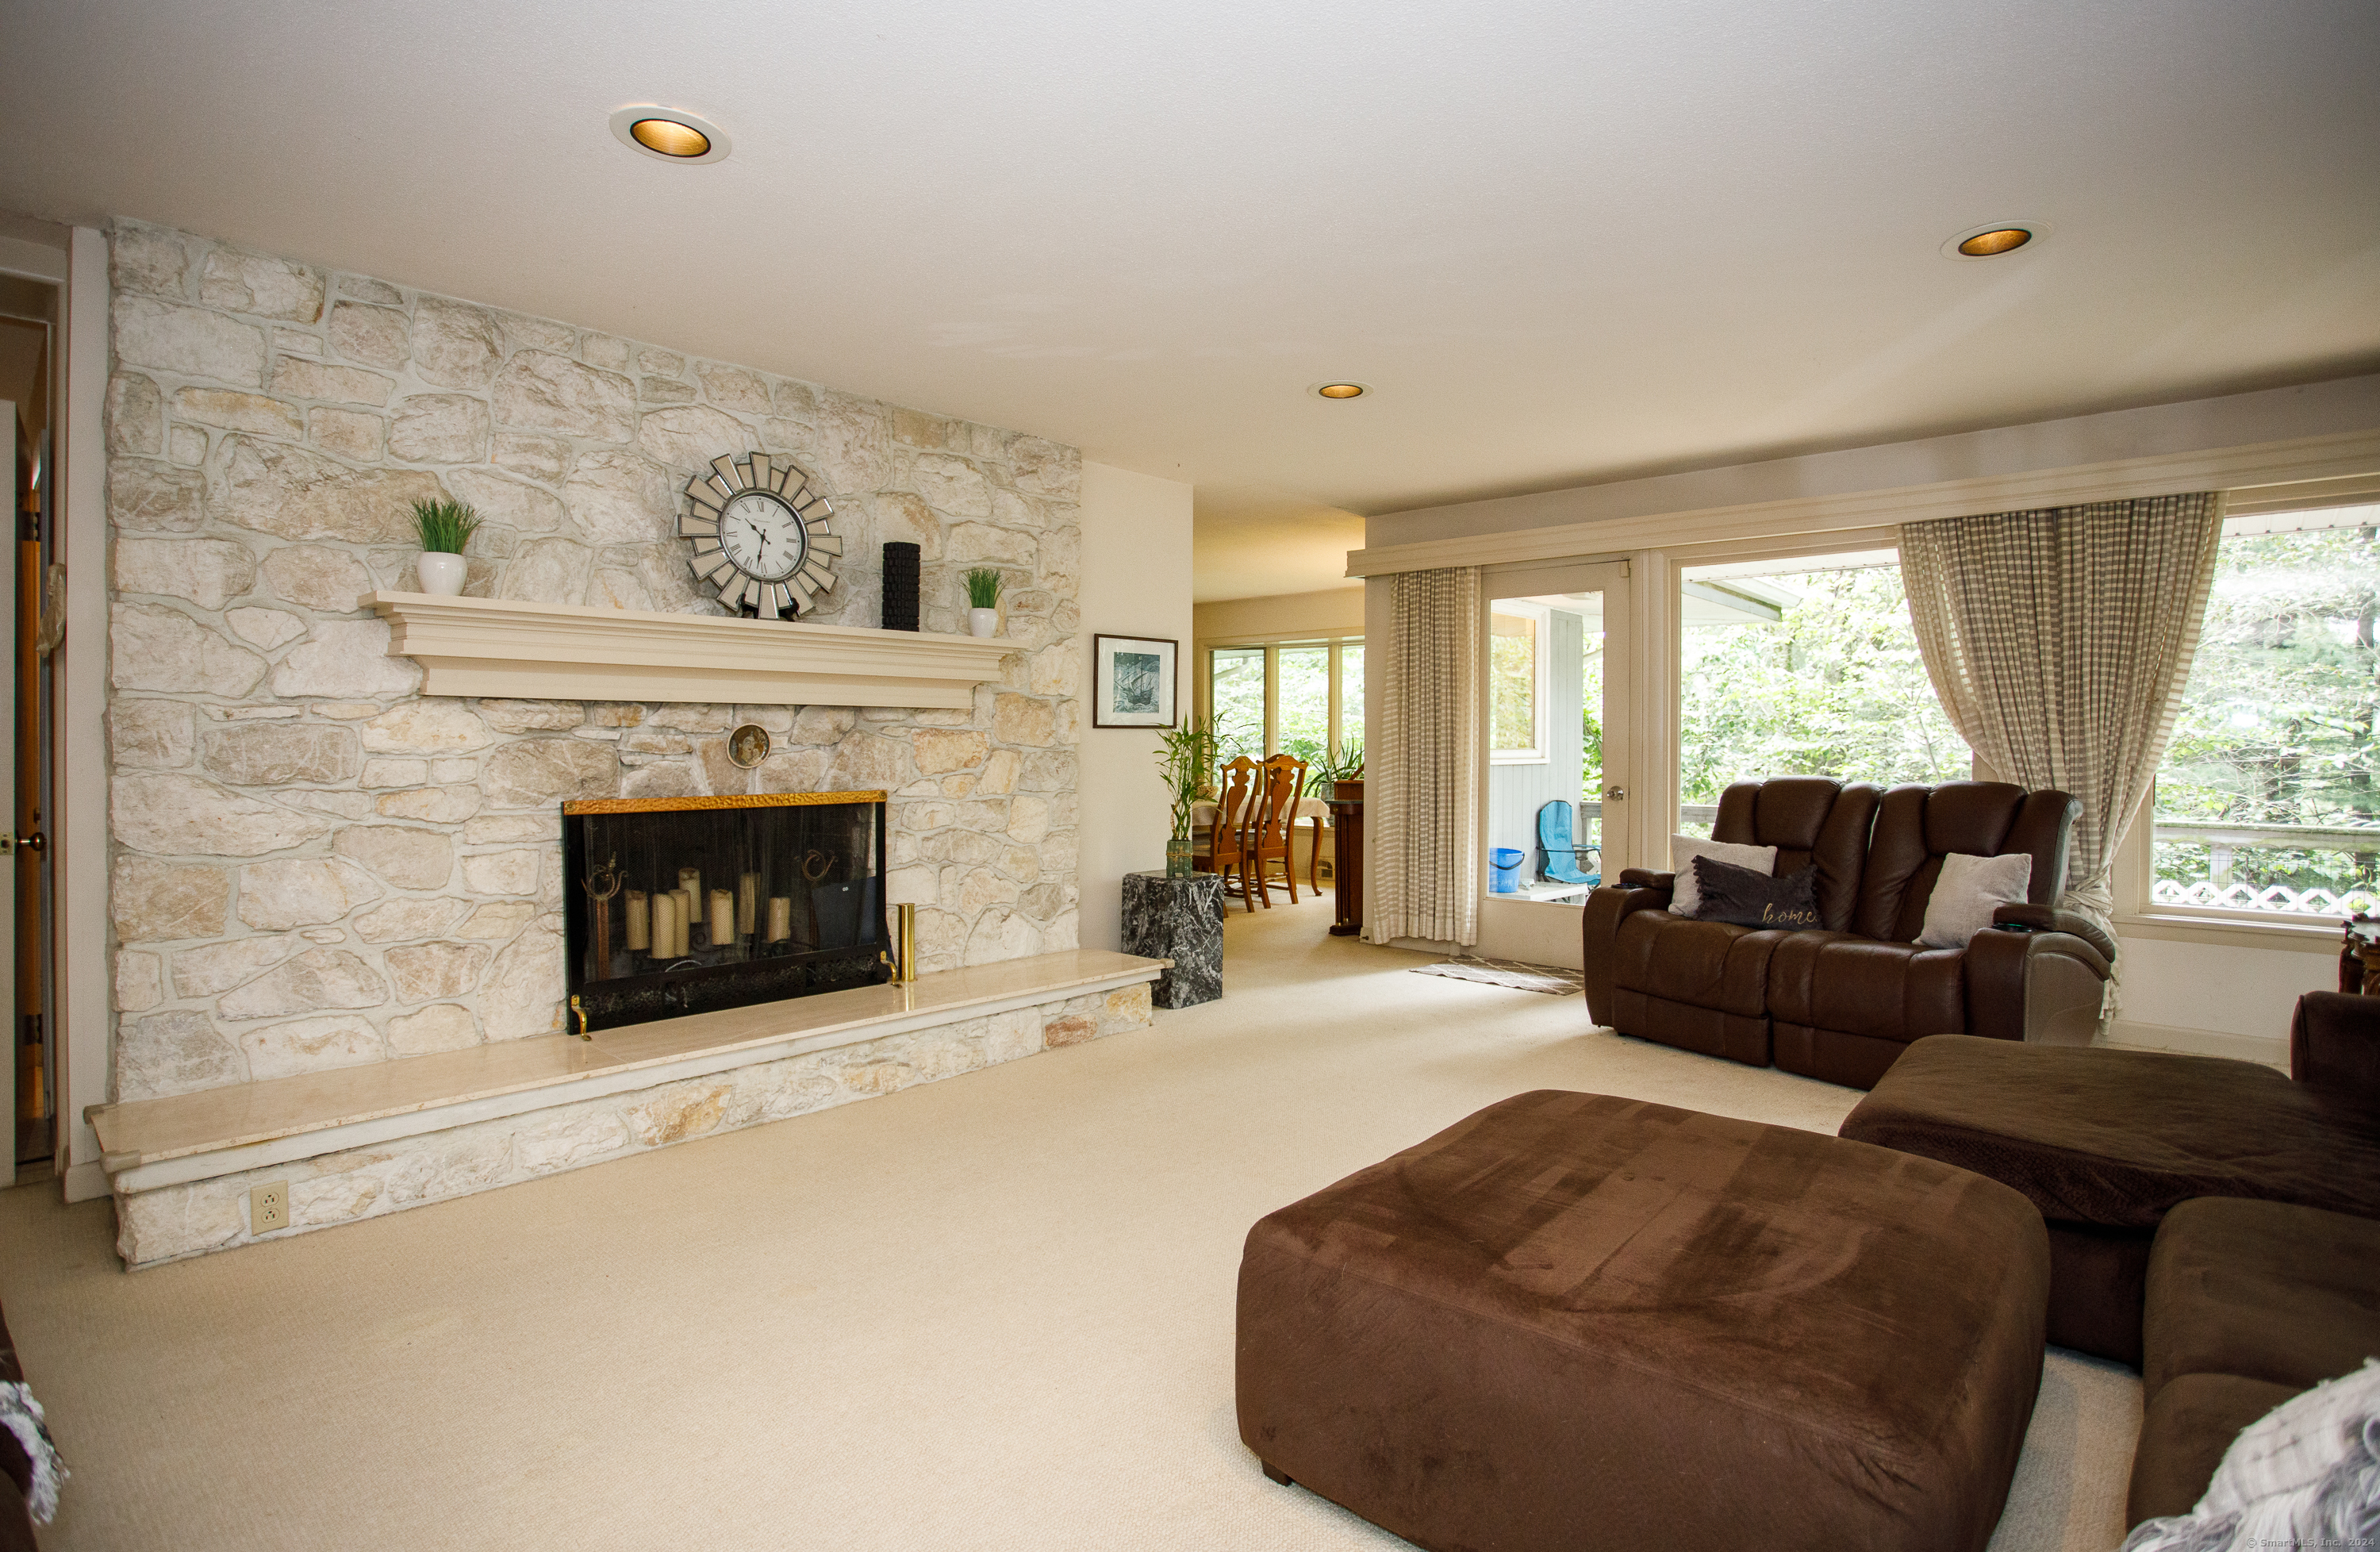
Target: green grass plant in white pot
445,528
983,586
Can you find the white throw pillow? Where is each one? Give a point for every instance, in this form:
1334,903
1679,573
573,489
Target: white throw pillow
1687,896
1968,891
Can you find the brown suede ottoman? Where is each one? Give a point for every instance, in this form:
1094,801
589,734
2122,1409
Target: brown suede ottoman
1573,1321
2106,1142
2249,1303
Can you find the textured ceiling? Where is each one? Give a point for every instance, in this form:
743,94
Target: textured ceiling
1565,241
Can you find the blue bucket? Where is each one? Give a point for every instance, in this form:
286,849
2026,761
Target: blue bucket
1507,863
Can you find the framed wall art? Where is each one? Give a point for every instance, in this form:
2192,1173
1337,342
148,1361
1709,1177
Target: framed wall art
1133,681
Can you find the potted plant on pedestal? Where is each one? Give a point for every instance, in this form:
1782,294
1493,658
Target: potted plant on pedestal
983,585
446,527
1185,758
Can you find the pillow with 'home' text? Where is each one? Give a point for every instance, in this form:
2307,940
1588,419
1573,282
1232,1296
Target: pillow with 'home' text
1684,893
1749,899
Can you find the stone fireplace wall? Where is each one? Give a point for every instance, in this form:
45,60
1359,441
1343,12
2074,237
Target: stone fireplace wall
315,866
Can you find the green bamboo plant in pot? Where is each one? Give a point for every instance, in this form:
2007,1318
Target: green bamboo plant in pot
1185,758
983,586
446,527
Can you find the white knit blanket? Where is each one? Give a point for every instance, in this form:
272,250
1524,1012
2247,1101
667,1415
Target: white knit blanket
2305,1474
22,1415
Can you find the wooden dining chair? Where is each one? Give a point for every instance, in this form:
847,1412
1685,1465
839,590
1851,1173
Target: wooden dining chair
1276,817
1227,847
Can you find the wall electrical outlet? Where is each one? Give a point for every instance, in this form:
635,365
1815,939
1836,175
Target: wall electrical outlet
267,1208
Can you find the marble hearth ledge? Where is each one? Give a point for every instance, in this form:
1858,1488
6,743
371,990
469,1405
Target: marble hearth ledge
153,1143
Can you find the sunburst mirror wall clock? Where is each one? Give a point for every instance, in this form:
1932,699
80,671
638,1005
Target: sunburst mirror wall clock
761,535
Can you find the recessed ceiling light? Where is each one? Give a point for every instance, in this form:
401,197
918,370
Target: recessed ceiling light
1340,390
1993,238
668,134
1982,244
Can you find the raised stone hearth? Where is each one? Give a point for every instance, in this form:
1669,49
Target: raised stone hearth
330,855
365,1141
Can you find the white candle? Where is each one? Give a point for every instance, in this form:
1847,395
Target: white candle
748,903
689,881
723,917
683,944
664,907
640,935
780,917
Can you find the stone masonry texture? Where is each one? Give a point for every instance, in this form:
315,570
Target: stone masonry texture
175,1221
313,865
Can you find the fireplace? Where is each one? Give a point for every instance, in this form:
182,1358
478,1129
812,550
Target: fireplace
691,904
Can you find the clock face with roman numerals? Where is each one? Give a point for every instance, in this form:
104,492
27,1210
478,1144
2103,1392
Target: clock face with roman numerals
761,536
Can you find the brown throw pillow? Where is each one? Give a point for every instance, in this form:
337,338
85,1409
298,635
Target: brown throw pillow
1738,894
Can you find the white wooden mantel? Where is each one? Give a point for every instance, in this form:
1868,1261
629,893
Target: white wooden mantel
544,651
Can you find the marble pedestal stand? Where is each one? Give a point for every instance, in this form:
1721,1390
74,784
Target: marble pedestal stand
1179,919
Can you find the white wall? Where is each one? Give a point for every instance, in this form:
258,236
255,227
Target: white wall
2216,999
1136,581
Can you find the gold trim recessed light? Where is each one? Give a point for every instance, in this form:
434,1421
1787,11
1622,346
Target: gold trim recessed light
1340,390
1993,238
668,134
684,140
1982,244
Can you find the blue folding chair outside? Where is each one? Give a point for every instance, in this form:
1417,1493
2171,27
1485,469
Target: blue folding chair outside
1560,850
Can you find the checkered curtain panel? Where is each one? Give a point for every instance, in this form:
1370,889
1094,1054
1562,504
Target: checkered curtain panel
2059,641
1421,763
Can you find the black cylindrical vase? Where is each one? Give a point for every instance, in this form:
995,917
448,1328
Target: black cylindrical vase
901,586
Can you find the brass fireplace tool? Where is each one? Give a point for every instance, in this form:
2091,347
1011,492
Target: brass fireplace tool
603,882
903,955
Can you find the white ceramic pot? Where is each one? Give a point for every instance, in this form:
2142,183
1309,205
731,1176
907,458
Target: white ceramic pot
983,622
442,574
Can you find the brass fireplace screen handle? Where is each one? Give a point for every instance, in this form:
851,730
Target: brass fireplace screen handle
36,842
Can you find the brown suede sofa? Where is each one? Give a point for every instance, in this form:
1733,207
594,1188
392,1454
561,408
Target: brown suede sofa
2214,1222
1842,1002
2106,1143
2249,1303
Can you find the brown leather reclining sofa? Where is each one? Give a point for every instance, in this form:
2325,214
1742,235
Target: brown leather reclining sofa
1842,1002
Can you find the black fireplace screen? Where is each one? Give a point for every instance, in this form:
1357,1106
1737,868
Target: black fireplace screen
685,906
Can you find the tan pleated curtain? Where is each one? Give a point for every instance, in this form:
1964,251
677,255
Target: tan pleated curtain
2059,641
1421,763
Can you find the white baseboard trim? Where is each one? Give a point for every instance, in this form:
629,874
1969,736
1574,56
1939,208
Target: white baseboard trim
86,1183
2271,1050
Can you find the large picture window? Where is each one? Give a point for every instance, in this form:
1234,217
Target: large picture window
1804,668
2266,800
1297,698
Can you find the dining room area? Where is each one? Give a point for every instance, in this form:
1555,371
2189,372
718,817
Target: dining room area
1279,681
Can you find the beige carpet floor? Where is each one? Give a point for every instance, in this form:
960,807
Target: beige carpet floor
994,1312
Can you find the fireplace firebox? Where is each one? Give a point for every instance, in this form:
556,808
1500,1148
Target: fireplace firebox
689,905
